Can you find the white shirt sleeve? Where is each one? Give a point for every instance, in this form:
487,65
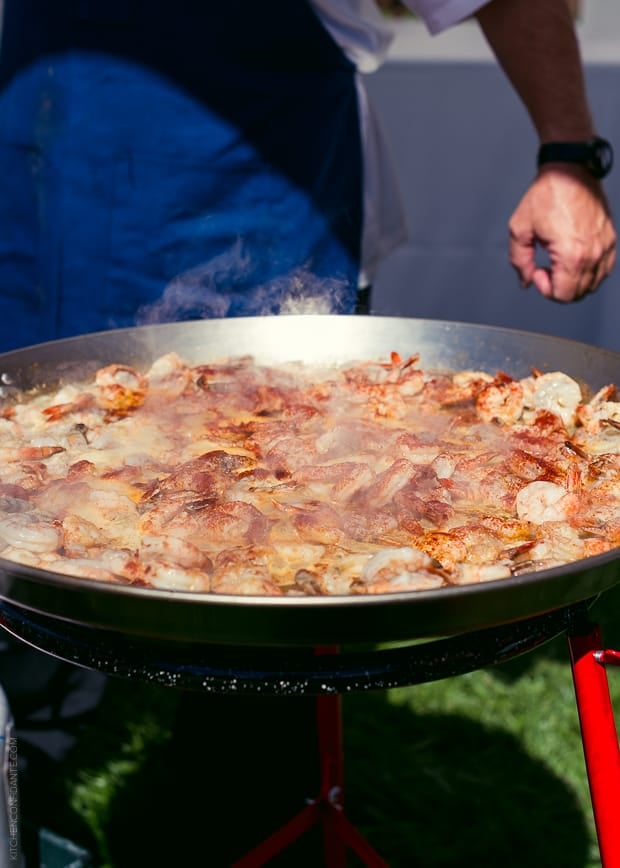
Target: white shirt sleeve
361,30
438,15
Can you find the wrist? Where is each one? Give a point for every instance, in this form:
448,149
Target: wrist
594,155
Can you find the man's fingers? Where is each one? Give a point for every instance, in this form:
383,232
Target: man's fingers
607,264
522,257
542,281
565,287
571,279
574,271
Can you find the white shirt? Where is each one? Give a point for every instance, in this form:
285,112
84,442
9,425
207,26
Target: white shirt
364,34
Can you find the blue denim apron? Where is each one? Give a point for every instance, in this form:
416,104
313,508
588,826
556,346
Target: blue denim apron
172,161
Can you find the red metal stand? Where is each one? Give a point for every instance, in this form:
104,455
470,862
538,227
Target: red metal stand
327,808
600,745
600,738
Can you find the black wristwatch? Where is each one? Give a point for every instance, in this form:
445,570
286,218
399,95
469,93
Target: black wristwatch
596,156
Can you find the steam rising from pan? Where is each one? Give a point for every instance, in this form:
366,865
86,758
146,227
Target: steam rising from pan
223,287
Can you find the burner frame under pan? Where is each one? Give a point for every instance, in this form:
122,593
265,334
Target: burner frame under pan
329,672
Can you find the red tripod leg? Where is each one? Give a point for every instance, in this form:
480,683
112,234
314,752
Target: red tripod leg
338,832
329,723
281,839
600,738
355,840
327,808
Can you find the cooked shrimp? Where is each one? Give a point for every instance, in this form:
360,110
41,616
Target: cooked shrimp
173,577
109,509
210,526
374,477
540,502
555,392
169,376
173,550
464,544
339,481
500,402
527,466
316,522
434,507
58,496
83,568
35,532
376,525
286,453
121,563
402,569
414,449
559,543
385,388
206,476
444,464
469,574
156,518
600,421
390,481
120,389
335,574
80,534
237,573
81,402
604,472
462,387
40,560
366,375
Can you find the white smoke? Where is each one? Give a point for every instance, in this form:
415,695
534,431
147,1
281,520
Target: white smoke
209,291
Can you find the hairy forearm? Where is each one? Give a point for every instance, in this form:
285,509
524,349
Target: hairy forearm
535,43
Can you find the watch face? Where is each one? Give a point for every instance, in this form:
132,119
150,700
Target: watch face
602,158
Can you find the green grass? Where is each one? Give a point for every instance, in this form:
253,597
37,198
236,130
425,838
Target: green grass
489,771
484,770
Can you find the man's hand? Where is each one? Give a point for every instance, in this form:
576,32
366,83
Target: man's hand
565,212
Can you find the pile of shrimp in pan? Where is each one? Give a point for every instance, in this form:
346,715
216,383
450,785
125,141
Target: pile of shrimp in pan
369,478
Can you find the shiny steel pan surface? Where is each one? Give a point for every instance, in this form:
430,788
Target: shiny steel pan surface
176,616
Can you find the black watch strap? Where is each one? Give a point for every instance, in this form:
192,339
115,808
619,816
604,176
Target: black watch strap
596,156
